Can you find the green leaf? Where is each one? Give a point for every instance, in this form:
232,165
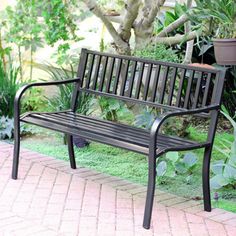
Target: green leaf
218,181
172,156
188,179
190,159
217,167
180,167
161,168
229,172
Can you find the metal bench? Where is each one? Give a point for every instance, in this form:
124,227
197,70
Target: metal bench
178,89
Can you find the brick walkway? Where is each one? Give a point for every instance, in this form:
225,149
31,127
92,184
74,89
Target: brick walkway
49,199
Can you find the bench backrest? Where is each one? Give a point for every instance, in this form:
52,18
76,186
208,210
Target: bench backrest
149,82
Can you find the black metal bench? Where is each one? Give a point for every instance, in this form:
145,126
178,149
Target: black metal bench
176,88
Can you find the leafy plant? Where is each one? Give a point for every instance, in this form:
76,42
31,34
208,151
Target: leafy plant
218,17
225,170
33,100
24,29
6,127
175,164
107,108
145,119
169,17
9,84
158,52
61,100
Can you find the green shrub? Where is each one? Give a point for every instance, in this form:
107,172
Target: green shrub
158,52
225,170
9,84
175,164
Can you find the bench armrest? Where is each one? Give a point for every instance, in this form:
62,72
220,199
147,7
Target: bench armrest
159,121
24,88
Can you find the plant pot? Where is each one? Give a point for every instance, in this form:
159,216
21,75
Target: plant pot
225,51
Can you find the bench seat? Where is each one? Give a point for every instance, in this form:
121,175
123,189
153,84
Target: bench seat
108,132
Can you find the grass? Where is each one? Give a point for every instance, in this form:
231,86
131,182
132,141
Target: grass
133,166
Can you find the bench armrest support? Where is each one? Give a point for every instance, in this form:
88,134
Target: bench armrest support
159,121
24,88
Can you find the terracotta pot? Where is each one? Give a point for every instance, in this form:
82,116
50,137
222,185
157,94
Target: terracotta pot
225,51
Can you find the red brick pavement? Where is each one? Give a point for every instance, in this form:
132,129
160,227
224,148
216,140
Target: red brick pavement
50,198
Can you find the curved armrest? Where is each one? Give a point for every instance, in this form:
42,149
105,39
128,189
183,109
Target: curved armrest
159,121
23,89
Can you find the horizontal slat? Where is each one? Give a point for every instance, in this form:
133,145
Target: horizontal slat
134,100
145,60
120,135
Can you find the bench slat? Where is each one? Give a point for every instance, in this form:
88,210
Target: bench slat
110,73
147,82
132,77
124,75
156,79
118,70
172,86
90,70
96,73
197,90
206,90
181,83
104,70
188,90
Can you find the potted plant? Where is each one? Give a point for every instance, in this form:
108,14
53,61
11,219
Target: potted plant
219,16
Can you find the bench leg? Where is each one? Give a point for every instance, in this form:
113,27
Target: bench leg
205,179
71,151
150,190
16,151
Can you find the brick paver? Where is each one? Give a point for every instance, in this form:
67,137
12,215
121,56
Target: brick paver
51,199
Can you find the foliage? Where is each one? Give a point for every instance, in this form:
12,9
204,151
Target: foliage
30,23
218,16
178,126
229,96
175,164
109,108
33,100
6,127
158,52
60,25
23,29
117,5
62,99
169,17
225,170
145,119
9,84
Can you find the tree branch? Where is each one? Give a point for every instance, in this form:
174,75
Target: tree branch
150,11
175,39
132,10
121,46
180,21
189,46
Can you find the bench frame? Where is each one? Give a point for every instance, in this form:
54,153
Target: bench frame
153,152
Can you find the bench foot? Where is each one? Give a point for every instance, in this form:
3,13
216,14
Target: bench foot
16,152
150,190
205,179
71,151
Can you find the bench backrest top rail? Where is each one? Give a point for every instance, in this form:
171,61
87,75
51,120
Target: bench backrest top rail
150,82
